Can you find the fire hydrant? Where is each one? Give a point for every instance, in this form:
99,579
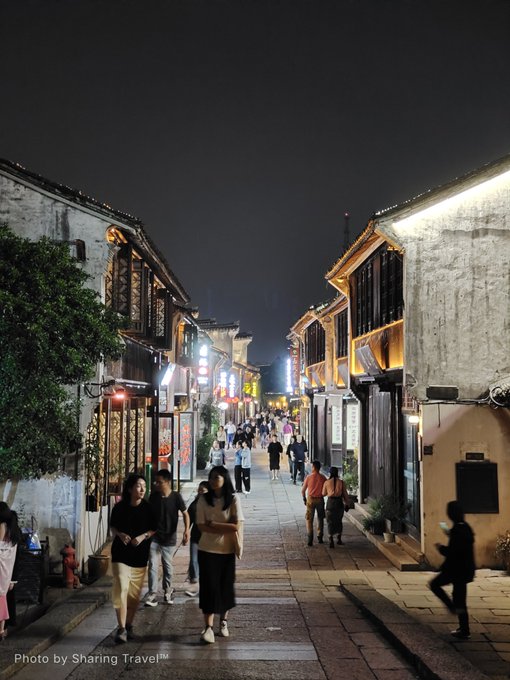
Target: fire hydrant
69,565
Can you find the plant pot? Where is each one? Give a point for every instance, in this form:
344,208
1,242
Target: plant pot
97,566
377,529
389,537
394,526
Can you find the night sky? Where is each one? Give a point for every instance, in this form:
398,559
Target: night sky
240,131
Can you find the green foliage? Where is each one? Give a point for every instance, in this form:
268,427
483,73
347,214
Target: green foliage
210,416
203,447
53,331
382,508
350,474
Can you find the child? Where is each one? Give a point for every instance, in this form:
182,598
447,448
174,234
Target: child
194,539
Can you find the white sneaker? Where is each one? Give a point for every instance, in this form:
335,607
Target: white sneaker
151,601
223,631
207,635
169,596
191,593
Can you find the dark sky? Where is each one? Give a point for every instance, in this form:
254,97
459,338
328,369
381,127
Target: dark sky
240,131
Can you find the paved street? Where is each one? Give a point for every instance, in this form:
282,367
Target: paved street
291,622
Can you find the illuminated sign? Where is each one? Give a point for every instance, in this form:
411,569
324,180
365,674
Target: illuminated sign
231,386
294,362
223,384
289,389
203,365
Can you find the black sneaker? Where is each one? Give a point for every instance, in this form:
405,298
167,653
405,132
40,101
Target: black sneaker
121,636
129,631
320,539
460,634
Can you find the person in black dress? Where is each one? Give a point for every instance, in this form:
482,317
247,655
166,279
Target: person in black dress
274,450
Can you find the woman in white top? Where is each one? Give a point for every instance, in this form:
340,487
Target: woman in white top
219,517
10,536
221,436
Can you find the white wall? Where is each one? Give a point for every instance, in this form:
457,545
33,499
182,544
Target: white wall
456,289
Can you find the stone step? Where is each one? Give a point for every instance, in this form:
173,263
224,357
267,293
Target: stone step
392,551
411,546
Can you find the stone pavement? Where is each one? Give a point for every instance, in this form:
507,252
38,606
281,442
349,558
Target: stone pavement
291,622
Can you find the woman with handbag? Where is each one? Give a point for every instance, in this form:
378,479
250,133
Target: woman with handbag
338,500
220,520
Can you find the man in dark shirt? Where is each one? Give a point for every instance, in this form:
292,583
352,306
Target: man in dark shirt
166,504
298,451
458,568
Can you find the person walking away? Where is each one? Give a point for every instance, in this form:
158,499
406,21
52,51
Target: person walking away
166,505
193,569
231,430
249,436
287,433
238,476
458,568
221,436
10,536
132,525
216,454
298,452
290,455
219,517
337,501
246,467
239,436
314,501
274,450
263,432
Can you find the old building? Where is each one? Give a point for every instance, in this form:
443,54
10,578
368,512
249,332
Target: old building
423,328
123,407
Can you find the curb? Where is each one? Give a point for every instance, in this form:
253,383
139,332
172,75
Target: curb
433,658
59,620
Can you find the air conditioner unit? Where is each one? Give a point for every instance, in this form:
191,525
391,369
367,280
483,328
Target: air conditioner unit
368,361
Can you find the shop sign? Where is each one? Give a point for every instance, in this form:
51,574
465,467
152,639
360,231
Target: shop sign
352,426
336,424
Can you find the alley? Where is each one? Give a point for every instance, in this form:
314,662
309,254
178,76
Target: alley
291,621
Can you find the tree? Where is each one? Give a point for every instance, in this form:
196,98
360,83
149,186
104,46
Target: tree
53,331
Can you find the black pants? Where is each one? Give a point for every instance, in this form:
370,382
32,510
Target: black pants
245,472
299,466
237,478
457,604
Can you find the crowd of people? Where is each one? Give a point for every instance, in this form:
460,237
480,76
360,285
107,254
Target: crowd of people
144,532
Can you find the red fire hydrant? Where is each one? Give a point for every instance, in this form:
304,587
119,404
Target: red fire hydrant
69,565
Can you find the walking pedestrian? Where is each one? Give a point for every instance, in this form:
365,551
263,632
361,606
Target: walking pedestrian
290,456
10,536
314,501
458,568
238,475
249,436
337,501
132,524
263,432
274,450
231,430
221,436
219,517
166,505
216,454
246,467
287,432
193,569
298,452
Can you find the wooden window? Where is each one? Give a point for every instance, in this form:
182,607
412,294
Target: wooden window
315,343
342,334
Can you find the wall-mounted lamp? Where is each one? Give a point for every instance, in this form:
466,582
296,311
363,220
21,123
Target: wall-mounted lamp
413,419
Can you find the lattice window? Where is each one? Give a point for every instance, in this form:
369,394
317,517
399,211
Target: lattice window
342,334
160,328
136,314
391,286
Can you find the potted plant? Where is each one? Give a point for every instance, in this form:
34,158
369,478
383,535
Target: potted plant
502,550
374,521
394,512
